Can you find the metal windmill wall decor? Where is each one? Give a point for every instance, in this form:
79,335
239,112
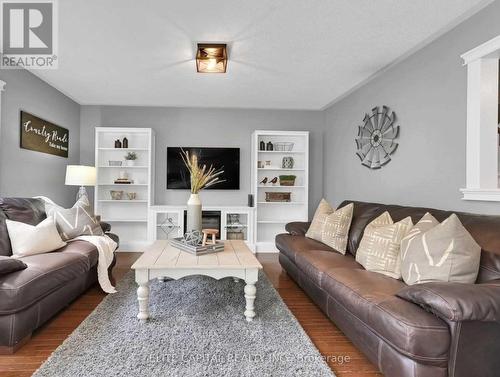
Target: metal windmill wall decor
376,138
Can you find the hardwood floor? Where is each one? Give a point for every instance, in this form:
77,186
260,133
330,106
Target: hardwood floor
344,358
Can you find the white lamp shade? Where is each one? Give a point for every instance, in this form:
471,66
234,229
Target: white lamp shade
79,175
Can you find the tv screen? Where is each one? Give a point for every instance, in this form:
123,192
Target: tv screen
227,159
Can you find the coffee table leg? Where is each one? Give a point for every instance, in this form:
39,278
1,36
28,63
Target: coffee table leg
143,298
250,293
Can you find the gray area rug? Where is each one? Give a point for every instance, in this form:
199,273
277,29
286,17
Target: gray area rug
197,328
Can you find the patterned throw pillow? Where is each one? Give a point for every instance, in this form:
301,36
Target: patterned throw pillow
331,226
380,246
439,252
76,221
316,228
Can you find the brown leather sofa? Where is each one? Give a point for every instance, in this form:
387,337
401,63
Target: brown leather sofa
28,298
424,330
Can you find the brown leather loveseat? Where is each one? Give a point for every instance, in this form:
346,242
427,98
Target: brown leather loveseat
454,330
28,298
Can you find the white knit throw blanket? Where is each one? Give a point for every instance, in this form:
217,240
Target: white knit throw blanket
106,247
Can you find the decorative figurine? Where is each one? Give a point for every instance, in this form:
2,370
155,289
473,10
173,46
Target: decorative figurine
274,180
209,232
264,181
193,238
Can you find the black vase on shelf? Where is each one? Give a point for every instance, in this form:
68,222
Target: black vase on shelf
125,143
118,143
269,146
262,146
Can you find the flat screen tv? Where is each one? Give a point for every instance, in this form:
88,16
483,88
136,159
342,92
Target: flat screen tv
227,159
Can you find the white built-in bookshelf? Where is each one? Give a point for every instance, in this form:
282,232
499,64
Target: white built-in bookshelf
270,216
128,217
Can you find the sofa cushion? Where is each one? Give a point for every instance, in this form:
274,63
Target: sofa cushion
45,273
314,263
26,210
405,326
289,245
85,249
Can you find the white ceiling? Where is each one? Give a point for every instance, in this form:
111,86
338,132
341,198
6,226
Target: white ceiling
284,54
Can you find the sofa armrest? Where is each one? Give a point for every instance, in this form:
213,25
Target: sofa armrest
297,228
106,227
457,302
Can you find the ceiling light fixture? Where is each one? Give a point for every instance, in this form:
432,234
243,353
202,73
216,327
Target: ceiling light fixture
211,58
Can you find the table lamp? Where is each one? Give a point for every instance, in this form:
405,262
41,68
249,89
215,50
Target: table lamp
80,175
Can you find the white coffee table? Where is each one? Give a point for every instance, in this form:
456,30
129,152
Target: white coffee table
161,261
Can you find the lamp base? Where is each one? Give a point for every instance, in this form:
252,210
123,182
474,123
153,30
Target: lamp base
81,192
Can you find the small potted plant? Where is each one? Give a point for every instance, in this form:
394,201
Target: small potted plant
130,158
287,180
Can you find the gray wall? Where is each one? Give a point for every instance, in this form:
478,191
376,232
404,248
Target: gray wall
207,127
29,173
428,92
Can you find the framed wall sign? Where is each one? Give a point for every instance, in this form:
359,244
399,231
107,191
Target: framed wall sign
42,136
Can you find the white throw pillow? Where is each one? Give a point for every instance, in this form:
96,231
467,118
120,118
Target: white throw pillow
30,239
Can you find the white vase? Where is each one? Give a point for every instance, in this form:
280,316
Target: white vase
129,162
193,221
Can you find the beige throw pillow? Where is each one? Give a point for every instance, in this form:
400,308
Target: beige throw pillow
316,228
443,252
380,246
331,226
28,239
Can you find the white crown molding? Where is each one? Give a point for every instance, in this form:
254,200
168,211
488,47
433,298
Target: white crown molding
489,49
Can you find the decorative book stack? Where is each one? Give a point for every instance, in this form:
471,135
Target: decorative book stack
124,181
